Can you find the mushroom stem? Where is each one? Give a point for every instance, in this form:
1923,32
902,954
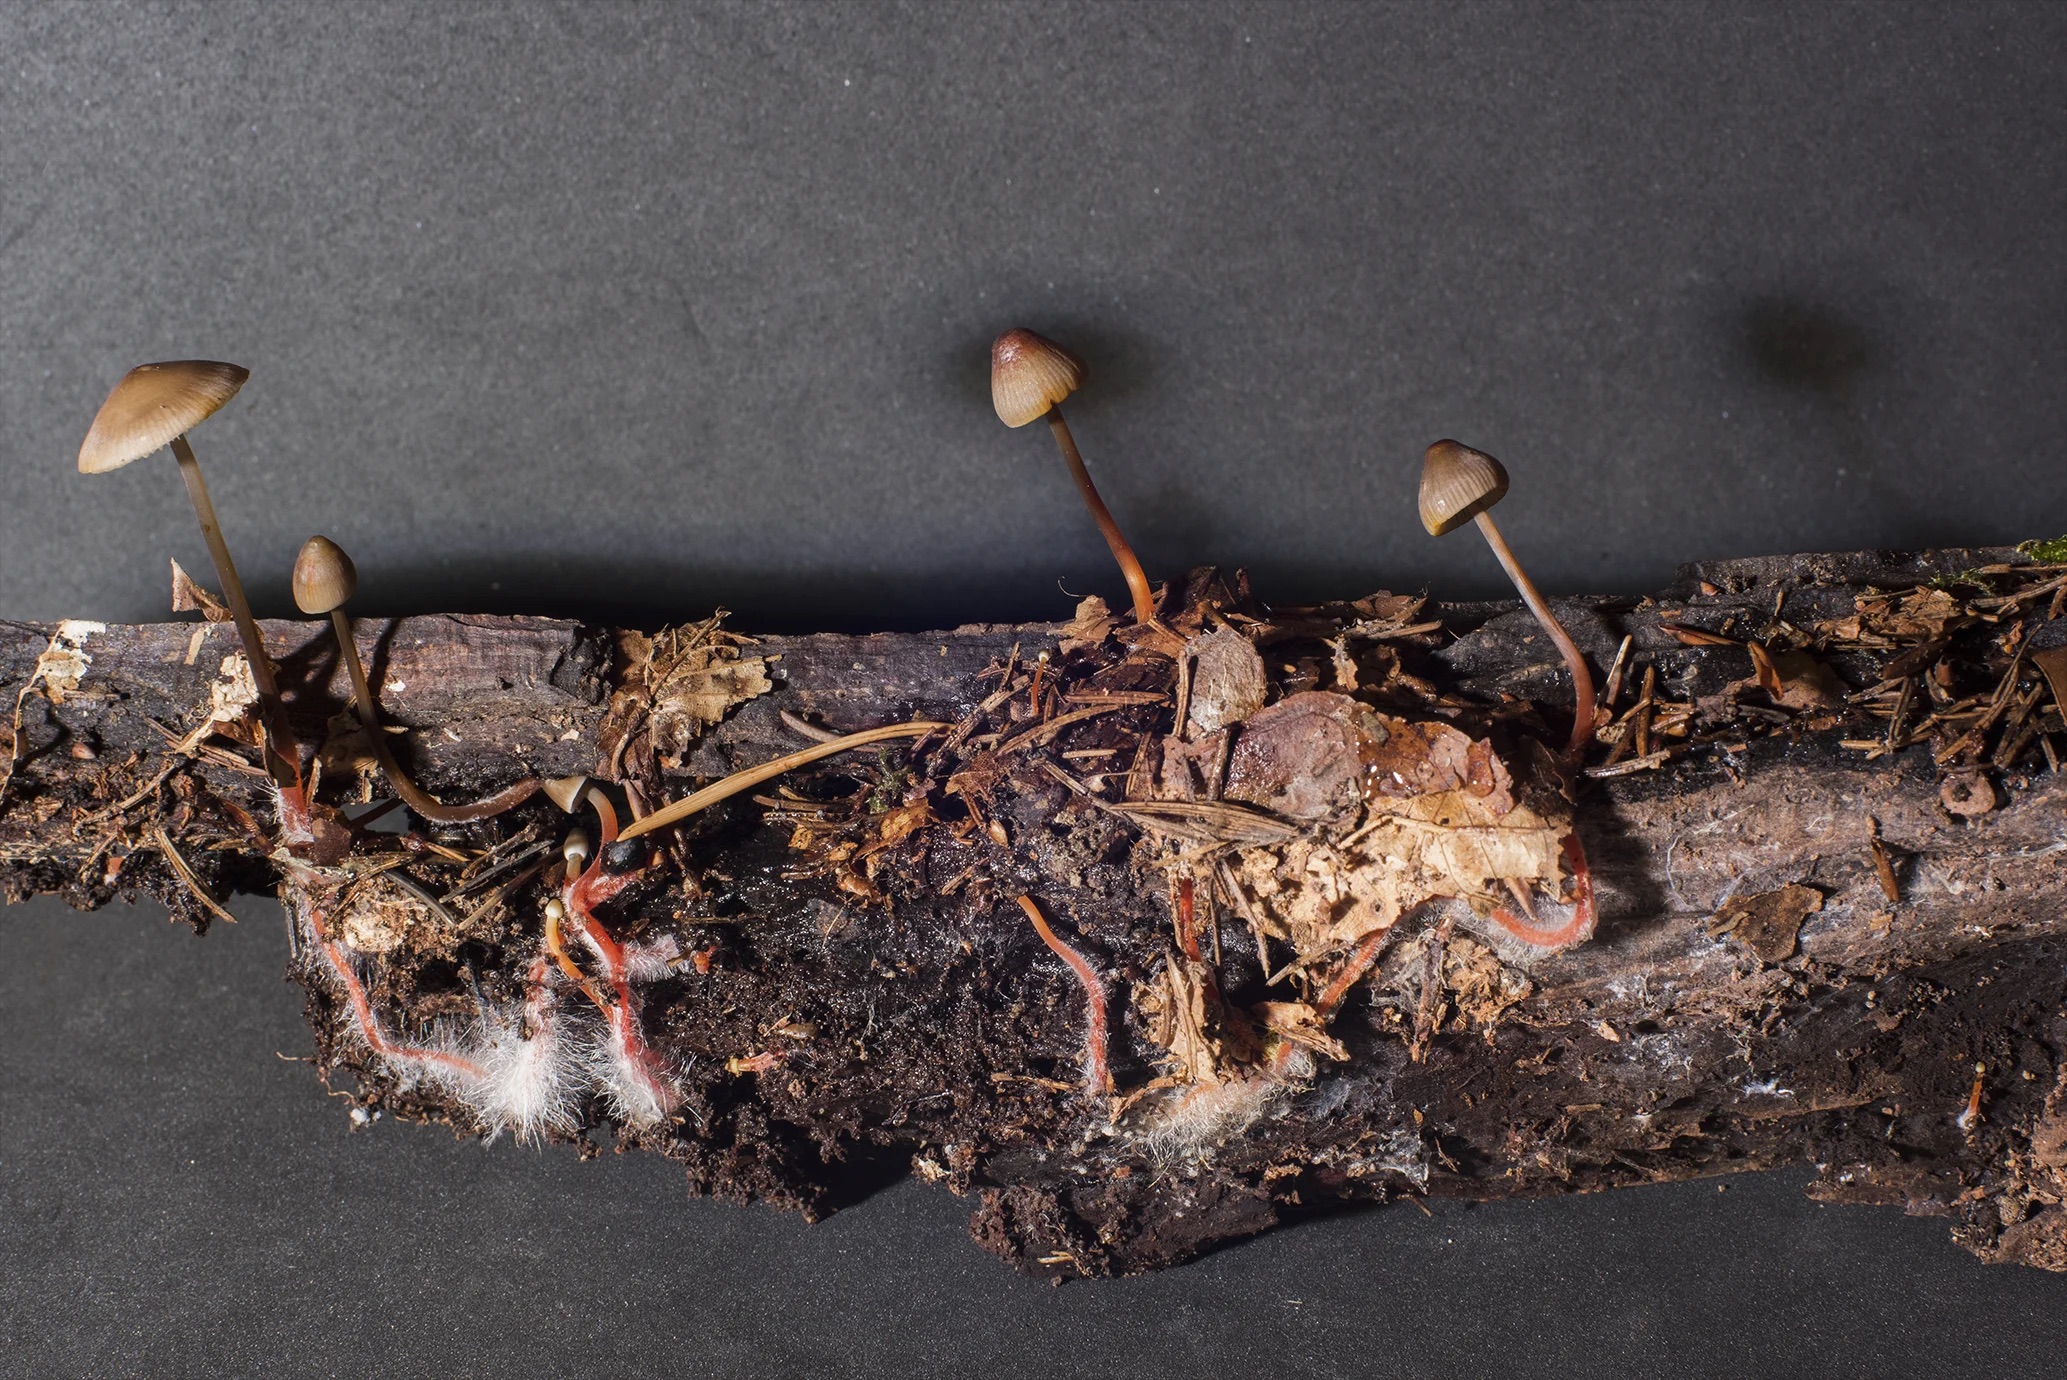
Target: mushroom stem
280,751
412,795
1137,579
1582,675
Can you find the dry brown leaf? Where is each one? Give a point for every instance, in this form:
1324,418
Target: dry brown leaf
62,664
1299,1024
1387,608
1918,615
1768,922
1795,680
1302,758
1482,985
1092,625
1227,683
1439,819
675,685
188,597
1182,1011
2052,664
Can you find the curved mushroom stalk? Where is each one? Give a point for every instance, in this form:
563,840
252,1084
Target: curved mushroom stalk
1459,485
324,580
1030,375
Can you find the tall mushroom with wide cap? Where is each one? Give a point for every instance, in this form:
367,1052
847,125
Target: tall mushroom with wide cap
324,580
155,405
1030,375
1460,485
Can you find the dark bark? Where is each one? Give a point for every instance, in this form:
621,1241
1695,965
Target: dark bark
843,989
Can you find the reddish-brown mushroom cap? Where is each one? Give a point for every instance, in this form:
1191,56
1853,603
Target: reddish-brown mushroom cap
152,404
1029,374
1457,484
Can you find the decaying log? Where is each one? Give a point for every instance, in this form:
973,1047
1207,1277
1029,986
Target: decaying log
1809,948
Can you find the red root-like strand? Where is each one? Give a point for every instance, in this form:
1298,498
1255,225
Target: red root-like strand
1097,1073
1583,916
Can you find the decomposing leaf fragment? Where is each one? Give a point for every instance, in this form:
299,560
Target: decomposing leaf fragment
1227,680
1091,626
2052,664
188,597
1295,1022
1794,679
1438,817
1302,758
1182,1011
676,684
1482,986
1886,619
1767,923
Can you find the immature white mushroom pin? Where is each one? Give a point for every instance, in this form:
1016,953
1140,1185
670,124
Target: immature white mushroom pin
1460,485
324,580
1029,377
154,406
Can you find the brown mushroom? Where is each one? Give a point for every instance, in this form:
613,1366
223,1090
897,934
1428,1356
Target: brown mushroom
1459,485
154,406
1029,377
324,580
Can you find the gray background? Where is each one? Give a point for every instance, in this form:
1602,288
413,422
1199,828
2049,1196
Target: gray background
625,312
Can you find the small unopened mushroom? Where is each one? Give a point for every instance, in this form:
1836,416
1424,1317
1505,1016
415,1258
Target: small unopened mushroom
1029,377
576,851
1459,485
324,580
154,406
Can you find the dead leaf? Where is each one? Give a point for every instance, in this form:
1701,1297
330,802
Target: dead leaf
1482,986
1418,759
2052,663
1795,680
1227,684
188,597
1092,625
1299,1024
1182,1011
1768,923
1438,819
676,684
1885,619
62,664
1384,614
1302,758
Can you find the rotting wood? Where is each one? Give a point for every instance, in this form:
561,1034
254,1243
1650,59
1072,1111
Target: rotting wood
1803,954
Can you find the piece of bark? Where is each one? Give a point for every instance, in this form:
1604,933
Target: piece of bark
835,1015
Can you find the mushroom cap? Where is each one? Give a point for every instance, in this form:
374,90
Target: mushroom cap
567,791
324,576
1030,374
1457,484
152,404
